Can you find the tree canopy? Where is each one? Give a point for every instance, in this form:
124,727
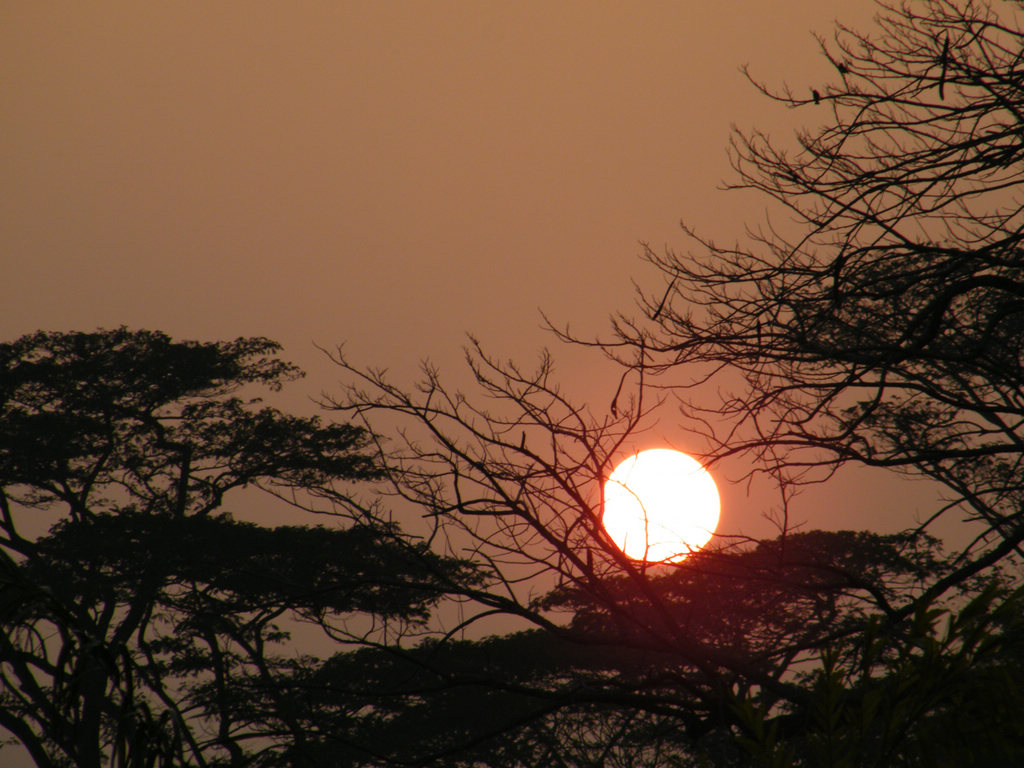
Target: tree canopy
135,627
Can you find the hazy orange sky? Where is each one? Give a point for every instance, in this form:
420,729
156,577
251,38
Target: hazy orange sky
387,174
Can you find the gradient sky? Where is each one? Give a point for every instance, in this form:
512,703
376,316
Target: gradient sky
386,174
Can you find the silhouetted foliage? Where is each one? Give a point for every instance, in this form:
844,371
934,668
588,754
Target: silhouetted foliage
134,631
944,692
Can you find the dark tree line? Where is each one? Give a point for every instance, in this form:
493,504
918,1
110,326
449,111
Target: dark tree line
882,328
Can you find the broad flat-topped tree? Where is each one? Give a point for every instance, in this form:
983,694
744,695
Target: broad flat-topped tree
135,631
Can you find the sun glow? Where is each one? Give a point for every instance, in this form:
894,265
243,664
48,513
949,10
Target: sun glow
660,505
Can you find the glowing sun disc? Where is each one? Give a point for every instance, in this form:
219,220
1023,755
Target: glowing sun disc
660,505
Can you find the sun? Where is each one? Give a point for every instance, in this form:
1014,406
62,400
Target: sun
660,505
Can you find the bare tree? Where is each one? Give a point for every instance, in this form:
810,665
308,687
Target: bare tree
884,327
664,648
883,324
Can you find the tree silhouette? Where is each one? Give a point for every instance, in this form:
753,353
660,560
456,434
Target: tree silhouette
134,629
713,658
882,327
